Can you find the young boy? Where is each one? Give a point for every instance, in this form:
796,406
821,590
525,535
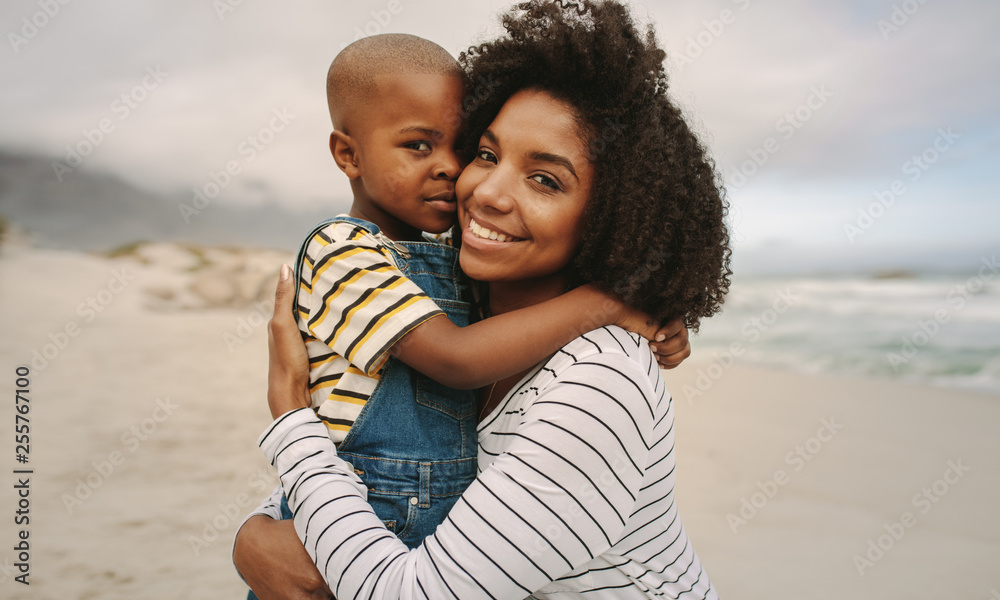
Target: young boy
370,285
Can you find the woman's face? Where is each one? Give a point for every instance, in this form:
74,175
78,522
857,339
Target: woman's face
521,200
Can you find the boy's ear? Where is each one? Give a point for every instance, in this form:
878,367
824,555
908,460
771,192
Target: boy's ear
342,147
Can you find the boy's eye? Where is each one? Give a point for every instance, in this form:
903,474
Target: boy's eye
546,181
420,146
486,155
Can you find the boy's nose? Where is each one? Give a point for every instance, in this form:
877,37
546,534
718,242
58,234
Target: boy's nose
449,167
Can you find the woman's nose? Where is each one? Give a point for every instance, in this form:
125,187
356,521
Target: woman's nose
494,191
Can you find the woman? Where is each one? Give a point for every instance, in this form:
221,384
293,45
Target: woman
591,171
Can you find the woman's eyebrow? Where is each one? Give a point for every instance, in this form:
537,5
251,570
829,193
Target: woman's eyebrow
540,156
554,158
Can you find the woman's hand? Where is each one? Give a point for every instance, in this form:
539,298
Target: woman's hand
271,558
288,368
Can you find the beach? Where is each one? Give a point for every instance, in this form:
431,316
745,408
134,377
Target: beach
816,487
147,376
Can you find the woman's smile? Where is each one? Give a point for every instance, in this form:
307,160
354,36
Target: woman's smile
491,233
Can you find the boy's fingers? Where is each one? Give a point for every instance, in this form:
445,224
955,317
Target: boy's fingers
674,350
649,331
672,345
670,329
672,337
670,361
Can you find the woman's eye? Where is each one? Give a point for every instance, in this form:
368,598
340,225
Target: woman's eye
420,146
546,181
487,156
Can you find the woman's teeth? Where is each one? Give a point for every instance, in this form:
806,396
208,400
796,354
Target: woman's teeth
488,234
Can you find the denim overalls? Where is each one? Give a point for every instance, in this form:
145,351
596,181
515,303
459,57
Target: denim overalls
414,443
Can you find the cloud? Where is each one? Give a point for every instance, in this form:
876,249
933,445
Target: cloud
889,95
738,67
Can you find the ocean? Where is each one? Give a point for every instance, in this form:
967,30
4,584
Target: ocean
925,328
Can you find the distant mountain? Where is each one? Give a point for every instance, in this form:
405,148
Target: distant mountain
96,211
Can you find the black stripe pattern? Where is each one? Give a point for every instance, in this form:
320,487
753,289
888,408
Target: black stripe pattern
575,496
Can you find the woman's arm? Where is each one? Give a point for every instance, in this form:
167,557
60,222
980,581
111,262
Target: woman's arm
267,553
559,496
270,557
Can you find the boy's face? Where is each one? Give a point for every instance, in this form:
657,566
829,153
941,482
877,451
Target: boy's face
405,153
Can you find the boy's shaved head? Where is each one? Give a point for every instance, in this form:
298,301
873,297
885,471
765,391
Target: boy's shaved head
353,78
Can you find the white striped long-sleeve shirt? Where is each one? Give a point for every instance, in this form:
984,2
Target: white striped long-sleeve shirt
575,496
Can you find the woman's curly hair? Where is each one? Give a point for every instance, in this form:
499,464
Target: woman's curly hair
654,229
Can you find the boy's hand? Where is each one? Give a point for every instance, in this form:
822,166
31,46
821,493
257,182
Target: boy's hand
670,345
604,308
288,367
634,320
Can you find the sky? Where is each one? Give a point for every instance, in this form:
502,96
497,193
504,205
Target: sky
842,128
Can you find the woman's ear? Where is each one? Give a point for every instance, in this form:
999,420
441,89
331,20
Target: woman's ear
344,152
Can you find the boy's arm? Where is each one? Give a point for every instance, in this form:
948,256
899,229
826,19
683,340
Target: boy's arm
363,308
498,347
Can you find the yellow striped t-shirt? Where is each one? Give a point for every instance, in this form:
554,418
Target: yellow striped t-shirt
353,305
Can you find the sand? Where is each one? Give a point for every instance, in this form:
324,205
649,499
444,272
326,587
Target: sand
817,487
144,418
